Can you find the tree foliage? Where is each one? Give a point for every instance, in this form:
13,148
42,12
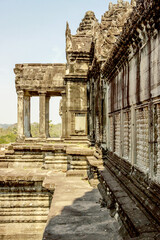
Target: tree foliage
8,135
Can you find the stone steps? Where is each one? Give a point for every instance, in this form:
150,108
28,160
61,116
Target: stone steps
26,211
114,195
16,231
23,203
21,160
78,165
125,193
137,186
76,173
77,161
56,161
11,198
22,218
22,156
27,153
20,213
25,164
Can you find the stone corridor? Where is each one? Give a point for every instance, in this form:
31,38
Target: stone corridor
76,212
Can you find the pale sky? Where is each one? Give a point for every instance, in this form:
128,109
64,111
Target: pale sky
33,31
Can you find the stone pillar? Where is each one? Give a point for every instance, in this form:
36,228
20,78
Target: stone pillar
27,126
43,115
151,139
63,115
133,135
121,133
20,117
107,117
47,116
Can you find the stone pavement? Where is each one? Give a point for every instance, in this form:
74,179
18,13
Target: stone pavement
76,214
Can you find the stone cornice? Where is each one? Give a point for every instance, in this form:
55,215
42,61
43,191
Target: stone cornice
75,78
144,18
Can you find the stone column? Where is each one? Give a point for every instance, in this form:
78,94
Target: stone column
107,117
63,115
121,133
133,135
47,116
43,115
27,126
151,139
20,117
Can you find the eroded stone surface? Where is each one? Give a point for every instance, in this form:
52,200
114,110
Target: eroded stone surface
24,203
76,213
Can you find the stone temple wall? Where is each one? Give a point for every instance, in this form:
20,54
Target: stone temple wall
129,88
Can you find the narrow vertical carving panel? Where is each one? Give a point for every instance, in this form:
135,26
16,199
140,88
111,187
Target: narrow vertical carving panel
157,141
142,159
117,133
127,136
97,129
111,136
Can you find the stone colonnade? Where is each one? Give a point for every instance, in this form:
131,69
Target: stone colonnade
23,105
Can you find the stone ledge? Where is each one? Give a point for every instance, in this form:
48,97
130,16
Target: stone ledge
95,162
133,218
137,186
21,175
79,151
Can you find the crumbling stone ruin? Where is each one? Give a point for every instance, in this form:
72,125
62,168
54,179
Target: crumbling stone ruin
110,109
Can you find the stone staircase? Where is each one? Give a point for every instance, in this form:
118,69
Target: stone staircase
77,161
62,157
18,158
24,204
57,161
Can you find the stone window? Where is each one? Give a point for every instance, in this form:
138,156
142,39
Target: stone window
80,123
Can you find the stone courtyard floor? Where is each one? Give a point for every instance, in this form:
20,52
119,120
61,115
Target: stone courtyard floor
75,212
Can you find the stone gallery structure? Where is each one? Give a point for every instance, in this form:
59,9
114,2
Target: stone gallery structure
110,89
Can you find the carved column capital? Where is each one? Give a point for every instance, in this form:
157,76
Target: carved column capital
42,93
20,93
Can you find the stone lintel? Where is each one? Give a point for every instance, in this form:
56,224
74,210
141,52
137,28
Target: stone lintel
76,78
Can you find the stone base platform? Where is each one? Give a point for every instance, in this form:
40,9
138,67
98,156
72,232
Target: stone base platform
24,203
66,157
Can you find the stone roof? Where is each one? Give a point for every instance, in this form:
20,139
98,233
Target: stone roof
87,26
81,42
37,77
110,28
145,16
